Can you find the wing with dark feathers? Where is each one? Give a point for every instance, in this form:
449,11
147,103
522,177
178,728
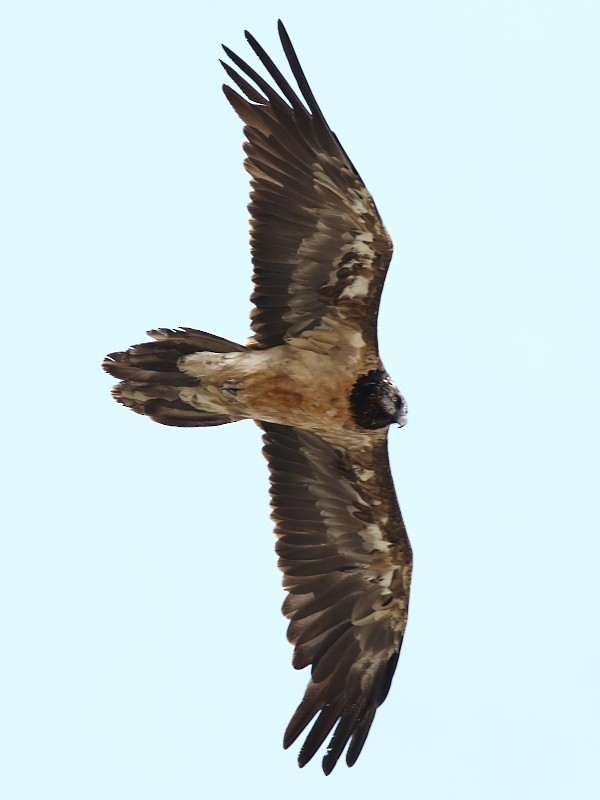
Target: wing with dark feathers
347,563
320,250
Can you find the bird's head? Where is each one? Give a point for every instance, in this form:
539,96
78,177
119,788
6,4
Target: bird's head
377,402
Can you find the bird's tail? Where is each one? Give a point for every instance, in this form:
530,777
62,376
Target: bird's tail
151,380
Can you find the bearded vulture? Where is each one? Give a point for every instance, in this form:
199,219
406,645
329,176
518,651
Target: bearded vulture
311,378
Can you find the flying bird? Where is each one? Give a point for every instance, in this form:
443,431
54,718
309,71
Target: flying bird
311,378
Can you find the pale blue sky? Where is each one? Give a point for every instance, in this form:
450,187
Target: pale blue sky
143,653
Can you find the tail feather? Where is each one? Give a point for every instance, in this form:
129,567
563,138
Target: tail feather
151,380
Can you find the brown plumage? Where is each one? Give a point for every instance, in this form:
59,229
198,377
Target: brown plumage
312,379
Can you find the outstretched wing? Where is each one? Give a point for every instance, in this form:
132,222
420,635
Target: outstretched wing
320,250
347,564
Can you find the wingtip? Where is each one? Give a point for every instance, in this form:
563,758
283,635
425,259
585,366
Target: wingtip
281,29
290,736
327,765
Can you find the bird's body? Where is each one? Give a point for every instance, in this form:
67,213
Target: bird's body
312,378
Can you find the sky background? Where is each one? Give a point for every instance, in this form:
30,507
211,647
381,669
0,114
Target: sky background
143,654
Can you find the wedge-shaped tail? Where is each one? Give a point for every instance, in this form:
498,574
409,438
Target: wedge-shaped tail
151,380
